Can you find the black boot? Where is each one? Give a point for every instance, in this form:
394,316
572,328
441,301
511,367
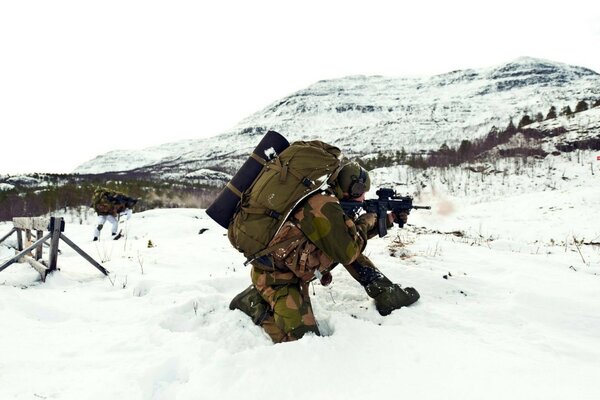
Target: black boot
251,303
389,296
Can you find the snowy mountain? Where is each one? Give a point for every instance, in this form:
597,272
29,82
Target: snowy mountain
371,114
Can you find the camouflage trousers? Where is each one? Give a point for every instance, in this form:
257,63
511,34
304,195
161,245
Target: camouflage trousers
291,313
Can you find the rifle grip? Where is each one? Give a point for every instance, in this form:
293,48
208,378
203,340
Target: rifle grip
382,225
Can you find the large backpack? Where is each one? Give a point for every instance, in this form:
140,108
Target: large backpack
109,202
300,170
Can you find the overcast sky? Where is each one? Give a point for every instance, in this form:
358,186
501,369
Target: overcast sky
80,78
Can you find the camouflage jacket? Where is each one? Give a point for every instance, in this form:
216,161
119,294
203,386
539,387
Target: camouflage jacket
325,237
109,202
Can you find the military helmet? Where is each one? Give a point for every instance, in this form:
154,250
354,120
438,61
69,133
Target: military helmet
354,179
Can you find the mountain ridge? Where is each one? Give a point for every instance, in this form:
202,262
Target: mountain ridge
367,114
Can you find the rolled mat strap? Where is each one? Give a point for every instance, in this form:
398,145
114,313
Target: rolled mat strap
258,158
234,190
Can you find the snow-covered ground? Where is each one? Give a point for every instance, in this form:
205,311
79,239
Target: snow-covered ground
510,304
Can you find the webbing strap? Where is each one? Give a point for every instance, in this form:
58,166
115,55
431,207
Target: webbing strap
335,174
276,165
285,169
263,211
234,190
258,158
296,174
284,172
254,210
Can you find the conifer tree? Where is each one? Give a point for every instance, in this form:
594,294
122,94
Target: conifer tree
581,106
551,113
511,129
566,111
464,150
526,120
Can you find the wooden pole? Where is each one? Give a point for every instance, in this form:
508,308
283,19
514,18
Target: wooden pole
38,266
13,230
55,228
24,251
40,248
84,254
19,239
28,238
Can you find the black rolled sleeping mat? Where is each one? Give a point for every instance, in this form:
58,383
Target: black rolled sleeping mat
224,206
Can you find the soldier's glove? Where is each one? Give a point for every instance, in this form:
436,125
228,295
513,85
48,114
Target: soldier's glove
401,218
389,296
326,278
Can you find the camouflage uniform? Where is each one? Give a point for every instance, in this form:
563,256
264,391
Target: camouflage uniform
109,205
316,238
325,237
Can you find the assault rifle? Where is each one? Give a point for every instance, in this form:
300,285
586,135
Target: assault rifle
121,199
388,200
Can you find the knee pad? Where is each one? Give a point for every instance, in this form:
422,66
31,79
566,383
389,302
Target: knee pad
99,227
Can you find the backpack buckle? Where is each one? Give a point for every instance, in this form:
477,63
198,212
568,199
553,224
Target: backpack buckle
307,182
273,214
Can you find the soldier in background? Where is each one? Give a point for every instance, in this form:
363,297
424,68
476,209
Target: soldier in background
278,300
110,206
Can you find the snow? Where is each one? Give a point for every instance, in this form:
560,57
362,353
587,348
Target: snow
509,308
270,153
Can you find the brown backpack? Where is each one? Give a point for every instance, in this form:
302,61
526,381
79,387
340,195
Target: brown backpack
299,171
108,202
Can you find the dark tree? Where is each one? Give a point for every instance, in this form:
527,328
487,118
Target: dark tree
566,111
539,117
596,103
526,120
511,129
444,148
551,113
465,150
581,106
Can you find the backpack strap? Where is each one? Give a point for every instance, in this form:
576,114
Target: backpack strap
263,211
234,189
259,159
285,169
